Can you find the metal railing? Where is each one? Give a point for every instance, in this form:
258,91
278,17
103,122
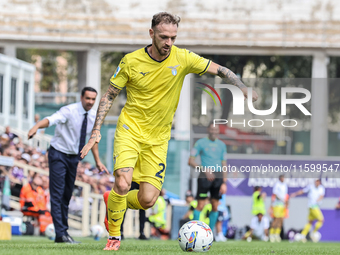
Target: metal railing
41,141
93,213
81,223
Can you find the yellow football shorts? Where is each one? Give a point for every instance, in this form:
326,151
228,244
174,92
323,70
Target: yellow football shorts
148,161
315,214
279,211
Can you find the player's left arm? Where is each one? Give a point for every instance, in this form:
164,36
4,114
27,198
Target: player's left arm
228,76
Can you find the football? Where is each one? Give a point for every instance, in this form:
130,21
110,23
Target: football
195,236
297,237
97,232
50,232
315,236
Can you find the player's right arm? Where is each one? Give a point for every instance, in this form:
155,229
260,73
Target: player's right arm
118,81
105,105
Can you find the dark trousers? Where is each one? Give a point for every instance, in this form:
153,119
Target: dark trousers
63,170
142,218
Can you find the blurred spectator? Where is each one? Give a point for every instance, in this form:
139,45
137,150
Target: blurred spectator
338,205
10,134
189,199
105,183
258,228
17,175
26,157
4,141
100,182
204,215
33,202
258,201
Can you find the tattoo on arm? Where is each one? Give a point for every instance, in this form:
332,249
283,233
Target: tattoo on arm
125,169
229,77
104,106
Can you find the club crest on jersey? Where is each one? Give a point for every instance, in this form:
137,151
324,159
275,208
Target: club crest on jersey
173,69
116,72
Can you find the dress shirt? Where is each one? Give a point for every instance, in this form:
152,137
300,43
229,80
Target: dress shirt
69,120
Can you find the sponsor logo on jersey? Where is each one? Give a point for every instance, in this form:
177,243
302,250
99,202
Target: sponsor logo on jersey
144,73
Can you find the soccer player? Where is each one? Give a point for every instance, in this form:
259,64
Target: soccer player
316,192
280,191
153,77
213,152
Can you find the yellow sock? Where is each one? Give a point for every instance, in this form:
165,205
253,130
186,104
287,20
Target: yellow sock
246,235
132,200
116,206
271,231
306,229
277,231
318,225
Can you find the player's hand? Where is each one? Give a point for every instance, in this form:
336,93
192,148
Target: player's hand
210,176
223,188
101,167
95,138
31,133
254,94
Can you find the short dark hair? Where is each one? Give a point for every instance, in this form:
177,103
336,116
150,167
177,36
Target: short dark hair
87,89
164,17
257,188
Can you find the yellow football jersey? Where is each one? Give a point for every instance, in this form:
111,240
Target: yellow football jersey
153,89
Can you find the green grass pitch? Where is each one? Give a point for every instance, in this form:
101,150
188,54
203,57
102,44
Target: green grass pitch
40,245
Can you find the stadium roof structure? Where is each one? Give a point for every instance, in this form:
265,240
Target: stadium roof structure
219,24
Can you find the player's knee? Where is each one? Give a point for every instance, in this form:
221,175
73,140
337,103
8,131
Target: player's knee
147,202
122,186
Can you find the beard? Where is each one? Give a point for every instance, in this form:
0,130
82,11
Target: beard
160,49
